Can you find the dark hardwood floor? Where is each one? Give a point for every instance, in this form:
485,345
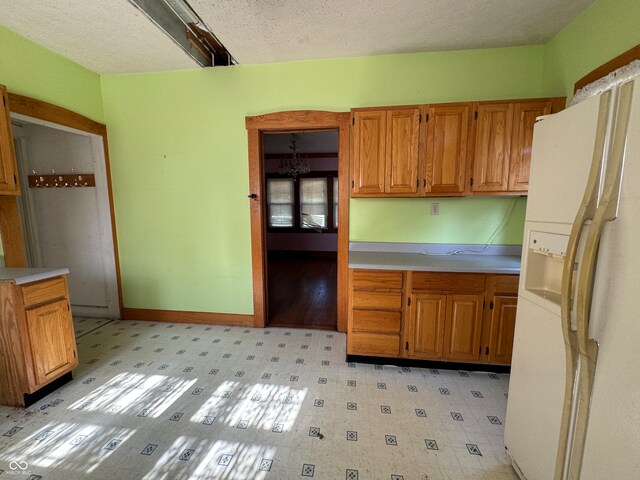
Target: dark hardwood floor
302,289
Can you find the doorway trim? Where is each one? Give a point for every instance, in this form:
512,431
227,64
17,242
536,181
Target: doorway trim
37,109
286,122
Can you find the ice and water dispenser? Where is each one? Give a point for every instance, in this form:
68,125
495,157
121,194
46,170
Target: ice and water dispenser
545,262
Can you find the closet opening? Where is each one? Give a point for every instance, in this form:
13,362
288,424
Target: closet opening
301,185
65,212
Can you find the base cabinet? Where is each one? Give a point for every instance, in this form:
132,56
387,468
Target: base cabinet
37,341
375,313
502,329
456,317
463,326
426,325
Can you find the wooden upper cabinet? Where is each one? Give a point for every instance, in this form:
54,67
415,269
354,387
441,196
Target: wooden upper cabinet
524,117
8,167
492,147
427,326
463,327
403,130
369,136
446,148
385,152
475,148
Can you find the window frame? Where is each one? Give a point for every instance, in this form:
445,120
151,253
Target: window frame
297,223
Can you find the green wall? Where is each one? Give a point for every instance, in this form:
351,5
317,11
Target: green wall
179,154
461,220
603,31
179,160
29,69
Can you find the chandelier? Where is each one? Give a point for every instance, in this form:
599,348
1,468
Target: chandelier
295,164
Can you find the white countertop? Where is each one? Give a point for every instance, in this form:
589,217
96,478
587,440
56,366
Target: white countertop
28,275
408,256
508,264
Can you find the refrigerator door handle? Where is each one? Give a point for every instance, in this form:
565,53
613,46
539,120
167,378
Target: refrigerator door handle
606,211
586,211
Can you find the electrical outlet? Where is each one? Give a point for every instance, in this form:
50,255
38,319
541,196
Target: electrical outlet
435,209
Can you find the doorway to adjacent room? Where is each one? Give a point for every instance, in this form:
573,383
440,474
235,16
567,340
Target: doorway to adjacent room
299,218
301,180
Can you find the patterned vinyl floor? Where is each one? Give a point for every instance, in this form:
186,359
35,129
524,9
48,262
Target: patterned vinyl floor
177,401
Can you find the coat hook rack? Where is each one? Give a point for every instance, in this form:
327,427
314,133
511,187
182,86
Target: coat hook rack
61,180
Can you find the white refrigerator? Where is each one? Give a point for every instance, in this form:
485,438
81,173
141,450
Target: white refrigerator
573,407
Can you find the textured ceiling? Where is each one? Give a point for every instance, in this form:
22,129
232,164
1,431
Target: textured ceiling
284,30
112,36
106,36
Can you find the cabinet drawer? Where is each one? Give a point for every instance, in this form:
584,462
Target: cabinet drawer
382,300
377,279
376,321
505,284
42,292
374,344
449,282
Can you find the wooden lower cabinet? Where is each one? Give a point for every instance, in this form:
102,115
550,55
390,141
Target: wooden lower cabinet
375,312
502,328
426,329
52,340
37,341
457,317
463,328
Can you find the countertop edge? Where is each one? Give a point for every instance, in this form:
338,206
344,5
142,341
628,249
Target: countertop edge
30,277
422,268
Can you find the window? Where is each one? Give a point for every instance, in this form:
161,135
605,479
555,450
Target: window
308,204
280,198
313,203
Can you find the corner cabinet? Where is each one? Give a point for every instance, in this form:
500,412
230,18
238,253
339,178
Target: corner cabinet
37,341
8,167
453,149
455,317
499,321
502,145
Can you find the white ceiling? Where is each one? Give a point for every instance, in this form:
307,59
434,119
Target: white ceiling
106,36
112,36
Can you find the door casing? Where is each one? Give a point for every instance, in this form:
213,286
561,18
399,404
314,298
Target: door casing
287,122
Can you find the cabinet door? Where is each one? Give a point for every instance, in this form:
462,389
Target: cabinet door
524,117
8,168
492,147
369,133
403,129
52,340
503,324
463,327
446,149
427,326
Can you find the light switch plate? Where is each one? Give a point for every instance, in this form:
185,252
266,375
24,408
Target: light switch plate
435,209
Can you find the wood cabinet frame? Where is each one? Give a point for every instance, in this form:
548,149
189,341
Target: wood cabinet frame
378,293
22,358
468,144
